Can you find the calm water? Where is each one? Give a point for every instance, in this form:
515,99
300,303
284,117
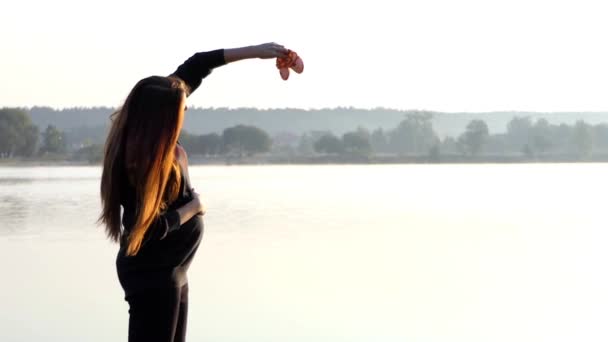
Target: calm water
328,253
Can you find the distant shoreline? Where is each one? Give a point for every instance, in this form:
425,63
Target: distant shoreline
320,160
21,162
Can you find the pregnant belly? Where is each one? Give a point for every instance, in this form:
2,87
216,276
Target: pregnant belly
176,249
184,242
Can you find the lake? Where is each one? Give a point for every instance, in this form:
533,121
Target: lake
328,253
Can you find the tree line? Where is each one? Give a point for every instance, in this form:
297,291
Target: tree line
413,136
20,137
77,122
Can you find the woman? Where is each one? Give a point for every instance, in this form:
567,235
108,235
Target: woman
145,171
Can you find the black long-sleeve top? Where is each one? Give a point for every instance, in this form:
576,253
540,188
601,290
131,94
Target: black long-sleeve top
168,247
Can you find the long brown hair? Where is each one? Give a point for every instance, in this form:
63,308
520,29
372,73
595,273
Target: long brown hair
140,150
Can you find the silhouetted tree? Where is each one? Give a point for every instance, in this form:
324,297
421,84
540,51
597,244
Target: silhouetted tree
474,137
563,137
92,153
210,144
78,136
449,145
600,133
329,144
18,136
379,140
357,142
519,133
542,136
53,141
583,139
246,139
414,134
30,141
497,144
435,153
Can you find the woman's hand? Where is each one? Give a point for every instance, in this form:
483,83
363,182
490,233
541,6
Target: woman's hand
269,50
191,209
198,206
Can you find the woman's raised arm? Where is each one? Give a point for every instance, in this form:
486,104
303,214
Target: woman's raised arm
200,65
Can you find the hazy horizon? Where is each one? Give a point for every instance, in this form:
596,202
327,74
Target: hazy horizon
194,107
470,56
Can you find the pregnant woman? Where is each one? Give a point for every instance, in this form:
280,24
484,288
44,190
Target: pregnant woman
145,170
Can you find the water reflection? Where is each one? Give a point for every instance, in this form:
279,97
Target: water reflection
14,181
48,200
13,211
326,253
21,180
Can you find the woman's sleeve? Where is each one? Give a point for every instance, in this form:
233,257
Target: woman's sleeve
199,66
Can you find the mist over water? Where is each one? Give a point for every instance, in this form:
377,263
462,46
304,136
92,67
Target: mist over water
328,253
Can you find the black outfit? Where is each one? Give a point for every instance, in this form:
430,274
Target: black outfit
155,280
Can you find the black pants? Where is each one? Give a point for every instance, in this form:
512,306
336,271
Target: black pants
159,315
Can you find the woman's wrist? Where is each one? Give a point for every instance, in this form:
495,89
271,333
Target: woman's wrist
182,211
236,54
263,51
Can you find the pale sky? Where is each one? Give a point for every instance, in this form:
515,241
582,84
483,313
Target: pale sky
445,55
